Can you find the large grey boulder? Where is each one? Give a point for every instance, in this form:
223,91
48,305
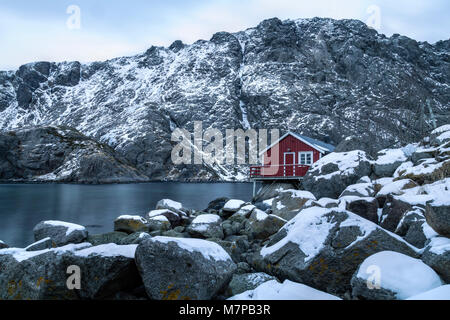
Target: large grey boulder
105,270
178,268
388,161
261,225
391,275
61,233
36,275
437,256
43,244
270,190
175,218
393,210
329,176
130,224
289,202
206,226
363,189
323,247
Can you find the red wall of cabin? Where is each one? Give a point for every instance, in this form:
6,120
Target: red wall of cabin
294,145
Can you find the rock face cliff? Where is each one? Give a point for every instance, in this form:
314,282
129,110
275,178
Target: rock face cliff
324,78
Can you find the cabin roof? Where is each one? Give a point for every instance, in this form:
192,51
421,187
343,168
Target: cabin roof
314,143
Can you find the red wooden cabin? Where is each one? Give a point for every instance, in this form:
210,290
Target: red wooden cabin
296,153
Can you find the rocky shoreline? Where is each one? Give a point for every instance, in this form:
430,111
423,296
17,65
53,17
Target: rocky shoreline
357,228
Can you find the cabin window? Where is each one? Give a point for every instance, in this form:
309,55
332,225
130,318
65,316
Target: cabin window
305,158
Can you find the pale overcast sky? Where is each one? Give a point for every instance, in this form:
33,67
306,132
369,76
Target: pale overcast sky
38,30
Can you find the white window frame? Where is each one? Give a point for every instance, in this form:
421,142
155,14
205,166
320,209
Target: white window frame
305,153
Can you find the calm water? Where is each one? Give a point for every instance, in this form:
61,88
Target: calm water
22,206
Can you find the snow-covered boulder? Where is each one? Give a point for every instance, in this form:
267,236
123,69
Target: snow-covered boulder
365,189
179,268
233,205
427,171
35,275
174,218
130,224
60,232
158,223
289,202
391,275
170,205
437,256
42,275
247,281
216,205
365,207
439,293
288,290
243,213
394,188
329,176
106,269
271,190
206,226
388,161
262,225
323,248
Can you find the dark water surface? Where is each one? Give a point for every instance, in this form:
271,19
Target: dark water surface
22,206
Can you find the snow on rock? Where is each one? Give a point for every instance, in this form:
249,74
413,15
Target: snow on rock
329,176
206,226
401,168
388,161
209,250
396,275
439,293
183,268
247,281
261,225
428,171
20,254
60,232
288,290
360,190
289,202
3,245
438,208
318,240
233,205
174,218
169,204
130,224
108,250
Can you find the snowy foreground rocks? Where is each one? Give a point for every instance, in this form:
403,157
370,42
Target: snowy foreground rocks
61,233
323,248
179,269
106,269
391,275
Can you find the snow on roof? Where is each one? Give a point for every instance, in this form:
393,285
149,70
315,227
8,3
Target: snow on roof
316,144
209,250
288,290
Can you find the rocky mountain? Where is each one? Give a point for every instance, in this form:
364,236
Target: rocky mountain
324,78
61,154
